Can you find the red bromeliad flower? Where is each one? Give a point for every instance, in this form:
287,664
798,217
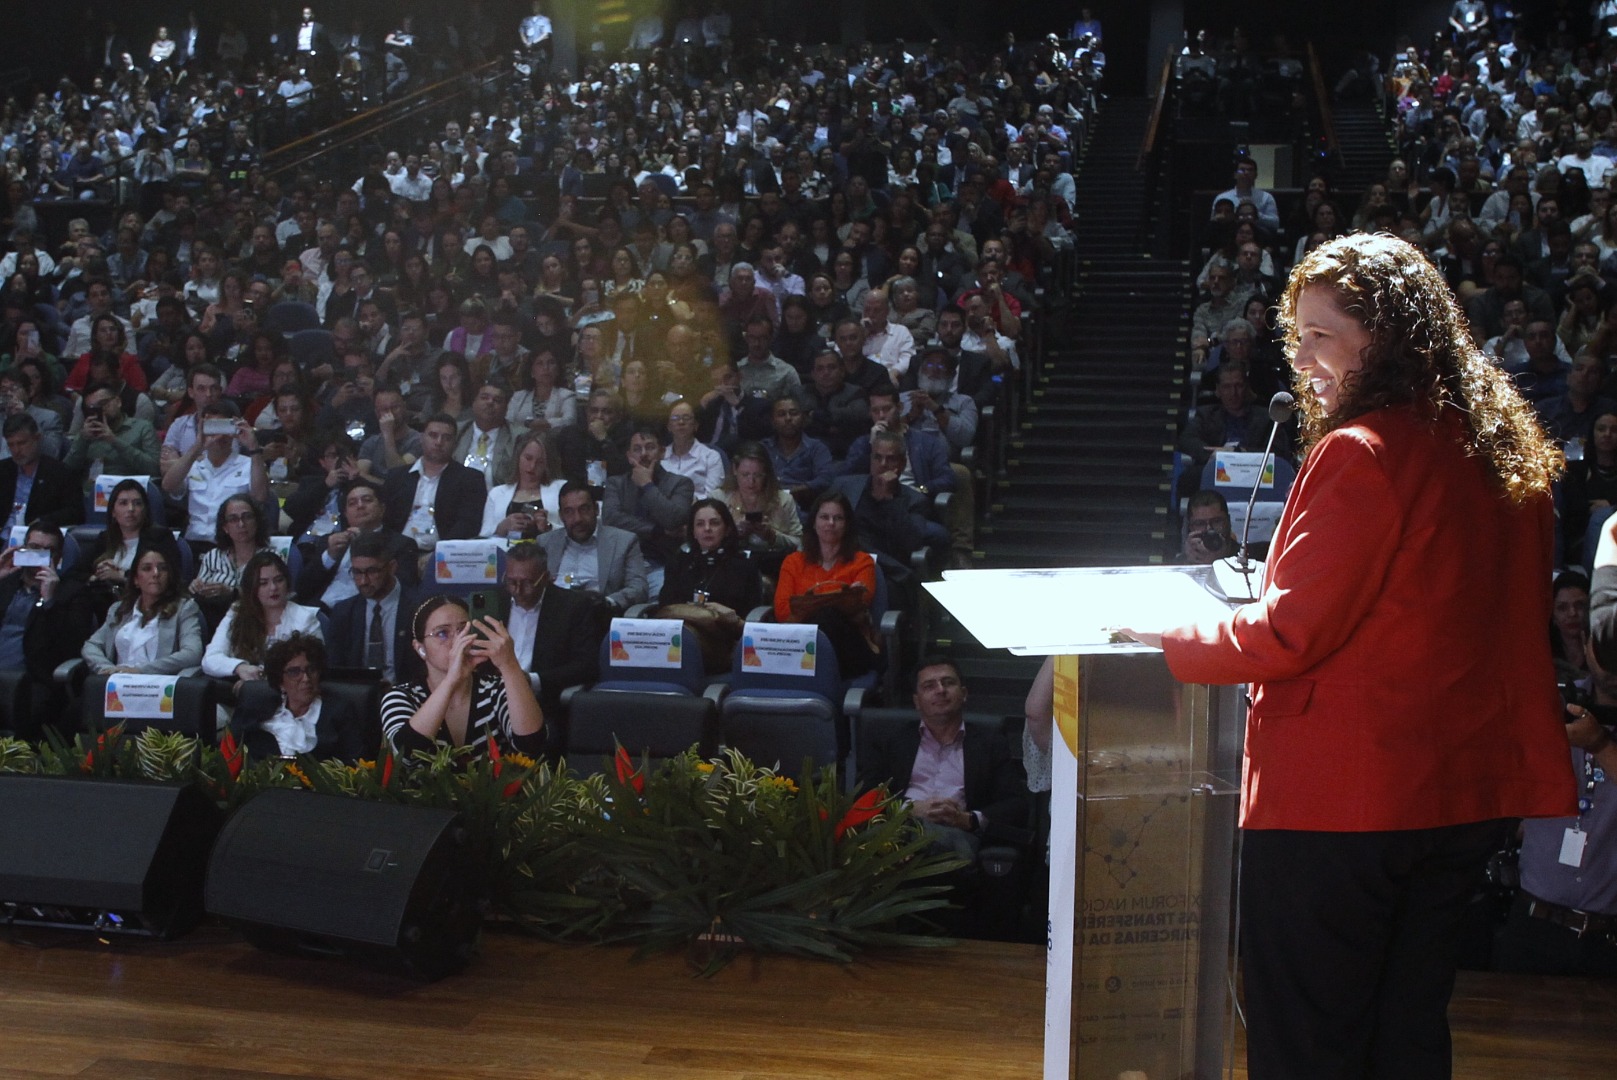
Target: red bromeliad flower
863,809
627,773
232,754
494,756
387,770
511,789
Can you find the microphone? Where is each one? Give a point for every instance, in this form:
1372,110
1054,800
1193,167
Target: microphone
1239,587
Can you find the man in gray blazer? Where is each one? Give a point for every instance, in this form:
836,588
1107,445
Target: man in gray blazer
585,554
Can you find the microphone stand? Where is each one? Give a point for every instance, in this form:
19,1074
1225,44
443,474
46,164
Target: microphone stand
1235,575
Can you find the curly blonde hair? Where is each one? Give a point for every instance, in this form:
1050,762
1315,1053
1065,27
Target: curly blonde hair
1421,353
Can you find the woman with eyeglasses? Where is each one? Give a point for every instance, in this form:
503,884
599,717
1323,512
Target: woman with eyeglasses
295,718
457,705
240,534
262,615
154,628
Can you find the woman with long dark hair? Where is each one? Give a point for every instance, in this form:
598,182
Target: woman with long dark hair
1569,626
129,529
241,532
712,582
832,584
154,628
1404,705
262,614
1591,483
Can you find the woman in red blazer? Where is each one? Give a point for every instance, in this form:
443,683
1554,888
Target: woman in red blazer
1404,704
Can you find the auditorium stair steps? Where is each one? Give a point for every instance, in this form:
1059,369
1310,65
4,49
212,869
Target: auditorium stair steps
1087,470
1365,145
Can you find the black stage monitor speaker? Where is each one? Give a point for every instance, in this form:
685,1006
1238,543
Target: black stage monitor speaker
123,857
325,875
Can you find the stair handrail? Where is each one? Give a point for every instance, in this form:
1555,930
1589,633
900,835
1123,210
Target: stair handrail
1327,121
469,82
373,113
1148,147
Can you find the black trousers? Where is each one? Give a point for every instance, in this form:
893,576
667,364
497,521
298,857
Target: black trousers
1539,947
1348,948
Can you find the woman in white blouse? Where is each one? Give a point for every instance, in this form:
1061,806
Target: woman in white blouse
529,506
155,629
264,613
540,404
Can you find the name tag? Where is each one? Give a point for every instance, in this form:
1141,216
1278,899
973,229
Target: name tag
1572,845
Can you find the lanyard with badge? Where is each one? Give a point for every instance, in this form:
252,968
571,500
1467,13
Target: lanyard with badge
1574,840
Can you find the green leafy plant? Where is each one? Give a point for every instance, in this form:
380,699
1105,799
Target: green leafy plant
710,856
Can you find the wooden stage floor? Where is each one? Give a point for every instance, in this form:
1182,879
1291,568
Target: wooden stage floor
212,1007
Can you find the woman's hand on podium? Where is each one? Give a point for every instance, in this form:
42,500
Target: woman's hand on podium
1144,637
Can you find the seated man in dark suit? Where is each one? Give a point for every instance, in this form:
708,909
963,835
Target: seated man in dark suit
437,498
316,505
293,717
889,518
927,451
557,632
325,578
594,450
34,487
837,412
961,781
584,554
372,628
44,620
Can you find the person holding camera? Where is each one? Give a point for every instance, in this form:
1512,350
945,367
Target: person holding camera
225,461
1208,535
1563,920
44,620
110,442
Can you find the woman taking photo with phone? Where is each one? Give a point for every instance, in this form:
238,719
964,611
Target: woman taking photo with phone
457,705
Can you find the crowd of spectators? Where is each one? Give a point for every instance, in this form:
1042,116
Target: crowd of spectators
1506,149
704,297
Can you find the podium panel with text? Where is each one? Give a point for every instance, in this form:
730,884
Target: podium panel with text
1145,778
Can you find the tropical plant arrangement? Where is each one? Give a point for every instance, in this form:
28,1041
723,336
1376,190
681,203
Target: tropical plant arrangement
713,856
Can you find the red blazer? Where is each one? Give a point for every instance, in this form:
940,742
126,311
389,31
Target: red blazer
1399,653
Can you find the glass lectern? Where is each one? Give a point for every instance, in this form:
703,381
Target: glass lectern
1145,779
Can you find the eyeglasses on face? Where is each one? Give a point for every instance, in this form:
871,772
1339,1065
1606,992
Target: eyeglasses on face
445,633
299,671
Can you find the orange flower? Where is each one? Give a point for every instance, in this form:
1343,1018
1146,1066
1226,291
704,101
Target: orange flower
863,809
627,773
232,754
